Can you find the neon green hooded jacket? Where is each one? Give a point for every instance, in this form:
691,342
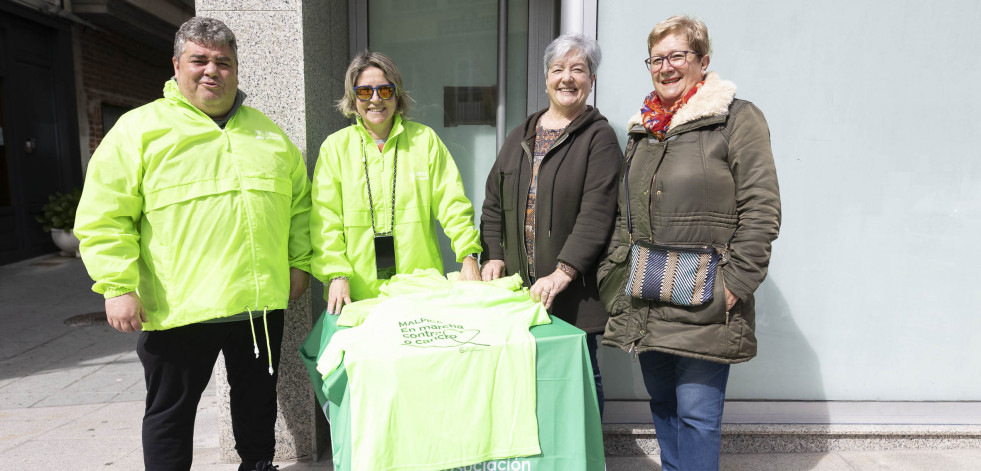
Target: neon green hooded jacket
201,222
428,189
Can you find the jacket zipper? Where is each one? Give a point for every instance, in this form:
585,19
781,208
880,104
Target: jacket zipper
556,145
504,226
245,203
238,174
701,249
523,257
653,190
248,213
724,299
531,161
650,201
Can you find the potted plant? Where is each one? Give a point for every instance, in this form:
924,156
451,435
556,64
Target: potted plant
58,216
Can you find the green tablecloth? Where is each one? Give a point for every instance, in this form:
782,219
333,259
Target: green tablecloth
569,429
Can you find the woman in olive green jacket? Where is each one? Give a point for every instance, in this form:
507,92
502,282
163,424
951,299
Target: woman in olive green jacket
700,173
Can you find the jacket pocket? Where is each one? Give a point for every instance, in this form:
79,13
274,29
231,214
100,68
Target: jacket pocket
611,278
508,189
159,198
509,205
270,200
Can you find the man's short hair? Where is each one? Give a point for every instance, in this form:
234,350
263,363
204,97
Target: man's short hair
206,32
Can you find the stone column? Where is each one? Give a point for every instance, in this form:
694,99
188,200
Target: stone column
292,56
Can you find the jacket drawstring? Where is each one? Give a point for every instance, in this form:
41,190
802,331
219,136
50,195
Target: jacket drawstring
265,329
551,200
255,343
551,196
551,203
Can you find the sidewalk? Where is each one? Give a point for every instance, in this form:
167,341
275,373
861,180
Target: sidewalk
71,397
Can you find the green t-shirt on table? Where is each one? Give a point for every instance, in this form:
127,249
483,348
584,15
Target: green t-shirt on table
441,373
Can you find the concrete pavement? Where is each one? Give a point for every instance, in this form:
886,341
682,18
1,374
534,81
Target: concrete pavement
71,396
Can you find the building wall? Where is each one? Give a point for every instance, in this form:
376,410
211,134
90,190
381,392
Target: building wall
117,71
872,112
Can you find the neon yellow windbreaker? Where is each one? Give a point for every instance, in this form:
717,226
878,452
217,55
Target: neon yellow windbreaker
429,189
201,222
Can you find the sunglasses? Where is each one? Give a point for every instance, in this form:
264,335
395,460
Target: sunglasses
365,92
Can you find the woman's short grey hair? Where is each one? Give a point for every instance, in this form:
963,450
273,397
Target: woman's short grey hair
588,48
362,61
206,32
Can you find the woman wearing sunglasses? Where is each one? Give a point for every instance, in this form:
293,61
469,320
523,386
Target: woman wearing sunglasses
699,181
377,187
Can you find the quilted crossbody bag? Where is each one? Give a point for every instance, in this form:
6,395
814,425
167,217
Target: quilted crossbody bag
684,276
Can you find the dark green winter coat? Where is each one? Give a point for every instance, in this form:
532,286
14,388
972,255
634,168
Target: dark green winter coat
717,183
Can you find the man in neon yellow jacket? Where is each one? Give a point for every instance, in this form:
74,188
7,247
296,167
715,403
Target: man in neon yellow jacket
194,224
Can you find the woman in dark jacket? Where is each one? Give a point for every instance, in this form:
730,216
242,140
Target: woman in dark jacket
700,174
551,195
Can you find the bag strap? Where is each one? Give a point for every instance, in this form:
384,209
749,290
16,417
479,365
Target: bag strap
626,191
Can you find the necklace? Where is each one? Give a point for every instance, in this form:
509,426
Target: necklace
371,205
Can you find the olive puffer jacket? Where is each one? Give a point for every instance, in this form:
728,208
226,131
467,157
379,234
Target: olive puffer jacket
717,186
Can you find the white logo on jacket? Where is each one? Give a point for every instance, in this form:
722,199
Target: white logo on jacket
267,135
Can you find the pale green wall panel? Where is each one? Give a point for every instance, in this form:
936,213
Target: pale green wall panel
873,109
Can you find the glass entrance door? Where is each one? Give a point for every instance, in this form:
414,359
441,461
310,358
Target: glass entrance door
447,51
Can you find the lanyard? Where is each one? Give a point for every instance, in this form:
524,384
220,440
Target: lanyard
371,205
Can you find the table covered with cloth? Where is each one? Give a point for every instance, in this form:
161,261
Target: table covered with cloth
569,427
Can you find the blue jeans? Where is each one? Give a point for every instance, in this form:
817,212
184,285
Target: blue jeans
687,397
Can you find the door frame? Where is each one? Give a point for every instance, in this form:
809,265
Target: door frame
30,241
543,27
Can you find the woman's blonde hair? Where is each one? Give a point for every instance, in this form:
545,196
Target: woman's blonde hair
692,29
362,61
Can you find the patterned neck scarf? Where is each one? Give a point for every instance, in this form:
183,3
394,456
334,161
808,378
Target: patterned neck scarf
655,118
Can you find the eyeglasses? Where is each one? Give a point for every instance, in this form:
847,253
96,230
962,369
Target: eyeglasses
676,59
365,92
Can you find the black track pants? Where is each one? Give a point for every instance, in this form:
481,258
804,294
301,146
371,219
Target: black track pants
178,363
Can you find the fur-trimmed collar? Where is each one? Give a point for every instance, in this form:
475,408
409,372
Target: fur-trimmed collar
713,99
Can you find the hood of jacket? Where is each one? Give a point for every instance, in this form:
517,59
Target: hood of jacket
713,99
584,120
